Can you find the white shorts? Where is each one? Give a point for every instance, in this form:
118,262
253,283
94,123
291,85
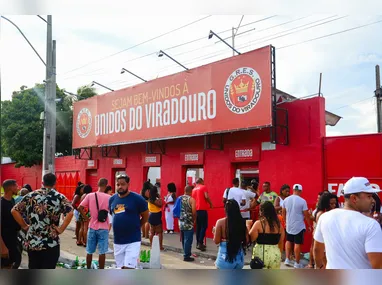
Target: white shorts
126,255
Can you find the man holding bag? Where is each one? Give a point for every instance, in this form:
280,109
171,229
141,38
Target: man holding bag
98,234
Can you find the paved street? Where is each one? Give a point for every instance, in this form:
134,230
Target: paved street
171,258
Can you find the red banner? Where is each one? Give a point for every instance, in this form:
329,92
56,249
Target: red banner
192,158
245,154
228,95
151,160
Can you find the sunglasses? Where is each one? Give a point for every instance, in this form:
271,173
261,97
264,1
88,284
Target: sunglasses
122,176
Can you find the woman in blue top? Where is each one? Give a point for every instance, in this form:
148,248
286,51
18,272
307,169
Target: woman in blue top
232,236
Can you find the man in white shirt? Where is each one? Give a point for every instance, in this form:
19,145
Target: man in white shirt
351,240
249,198
235,193
295,209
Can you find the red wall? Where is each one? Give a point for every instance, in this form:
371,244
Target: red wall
347,156
299,162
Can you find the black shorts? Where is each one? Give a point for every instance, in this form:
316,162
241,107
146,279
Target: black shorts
297,239
155,219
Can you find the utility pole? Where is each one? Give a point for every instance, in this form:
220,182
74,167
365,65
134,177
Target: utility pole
234,32
378,96
233,40
50,106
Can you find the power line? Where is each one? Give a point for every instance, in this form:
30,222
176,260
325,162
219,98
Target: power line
134,46
268,38
332,34
357,102
179,45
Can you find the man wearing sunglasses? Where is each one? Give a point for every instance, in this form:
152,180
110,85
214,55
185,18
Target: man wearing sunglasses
130,213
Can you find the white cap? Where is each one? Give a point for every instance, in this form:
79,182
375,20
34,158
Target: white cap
358,185
297,187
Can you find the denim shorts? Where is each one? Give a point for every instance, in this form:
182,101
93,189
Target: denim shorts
97,237
222,263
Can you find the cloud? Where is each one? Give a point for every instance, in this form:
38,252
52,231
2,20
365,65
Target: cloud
346,62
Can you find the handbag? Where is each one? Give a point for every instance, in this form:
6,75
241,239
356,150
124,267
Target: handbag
257,262
102,214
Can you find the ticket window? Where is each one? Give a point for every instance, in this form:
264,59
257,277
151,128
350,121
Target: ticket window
193,174
153,175
247,175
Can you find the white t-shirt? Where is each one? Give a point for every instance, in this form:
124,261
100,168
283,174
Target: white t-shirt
281,202
248,196
295,205
348,237
235,193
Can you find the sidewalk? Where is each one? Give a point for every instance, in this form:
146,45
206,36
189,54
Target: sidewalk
171,242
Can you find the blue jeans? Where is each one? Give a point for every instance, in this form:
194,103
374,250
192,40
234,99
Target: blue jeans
187,238
97,237
222,263
201,225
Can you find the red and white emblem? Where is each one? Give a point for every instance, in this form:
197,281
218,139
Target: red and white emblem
84,123
242,90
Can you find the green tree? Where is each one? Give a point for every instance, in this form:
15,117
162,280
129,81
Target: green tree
85,92
23,129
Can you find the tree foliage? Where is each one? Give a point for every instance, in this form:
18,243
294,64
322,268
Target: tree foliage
22,128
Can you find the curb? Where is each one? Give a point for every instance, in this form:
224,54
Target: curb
174,249
169,248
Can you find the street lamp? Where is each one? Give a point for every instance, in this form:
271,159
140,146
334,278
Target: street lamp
161,53
96,83
211,34
123,70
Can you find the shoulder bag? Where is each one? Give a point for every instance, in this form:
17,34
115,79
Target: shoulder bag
103,214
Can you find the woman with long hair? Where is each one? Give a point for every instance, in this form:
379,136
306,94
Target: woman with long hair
76,203
284,192
326,203
169,207
145,193
231,235
155,217
87,189
268,233
376,209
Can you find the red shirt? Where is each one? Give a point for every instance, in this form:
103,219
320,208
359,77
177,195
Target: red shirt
198,195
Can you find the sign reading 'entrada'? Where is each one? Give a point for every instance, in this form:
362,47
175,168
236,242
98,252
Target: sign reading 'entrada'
231,94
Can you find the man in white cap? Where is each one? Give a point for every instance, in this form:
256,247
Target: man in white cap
295,209
351,240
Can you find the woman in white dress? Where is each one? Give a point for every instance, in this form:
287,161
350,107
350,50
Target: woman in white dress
169,207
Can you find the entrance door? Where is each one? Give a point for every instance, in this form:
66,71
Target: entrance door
193,173
247,172
92,179
154,174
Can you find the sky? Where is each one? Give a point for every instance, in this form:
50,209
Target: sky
95,48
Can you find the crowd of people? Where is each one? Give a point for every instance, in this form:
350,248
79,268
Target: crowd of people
344,238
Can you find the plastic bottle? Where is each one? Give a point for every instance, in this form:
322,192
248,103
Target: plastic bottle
144,256
148,256
77,261
141,256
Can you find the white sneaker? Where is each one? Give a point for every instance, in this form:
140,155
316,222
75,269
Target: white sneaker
288,262
298,265
109,251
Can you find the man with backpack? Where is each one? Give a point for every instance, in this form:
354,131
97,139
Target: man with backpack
185,211
98,234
